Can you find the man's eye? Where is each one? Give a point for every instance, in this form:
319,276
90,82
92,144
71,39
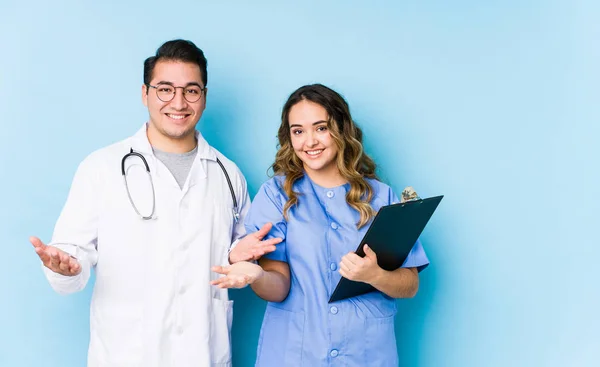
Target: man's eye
165,90
192,91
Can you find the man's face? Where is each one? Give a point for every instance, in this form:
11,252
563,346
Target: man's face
177,118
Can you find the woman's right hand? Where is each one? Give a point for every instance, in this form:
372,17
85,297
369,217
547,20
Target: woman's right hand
237,275
252,247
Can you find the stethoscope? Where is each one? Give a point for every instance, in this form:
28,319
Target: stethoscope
236,213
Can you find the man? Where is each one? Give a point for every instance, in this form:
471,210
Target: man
151,214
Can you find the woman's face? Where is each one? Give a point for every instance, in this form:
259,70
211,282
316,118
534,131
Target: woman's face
311,139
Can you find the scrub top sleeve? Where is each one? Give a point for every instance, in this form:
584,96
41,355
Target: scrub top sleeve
268,207
417,258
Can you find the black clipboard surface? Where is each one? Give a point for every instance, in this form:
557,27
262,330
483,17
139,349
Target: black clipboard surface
393,233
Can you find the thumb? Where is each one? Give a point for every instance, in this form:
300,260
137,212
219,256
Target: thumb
36,242
369,253
263,231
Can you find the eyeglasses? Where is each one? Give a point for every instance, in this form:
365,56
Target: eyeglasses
166,92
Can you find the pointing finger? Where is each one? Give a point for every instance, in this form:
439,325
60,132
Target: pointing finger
263,231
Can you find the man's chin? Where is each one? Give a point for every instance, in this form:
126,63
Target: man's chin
180,133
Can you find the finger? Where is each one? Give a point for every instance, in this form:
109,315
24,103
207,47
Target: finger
227,283
63,262
345,274
221,269
63,266
263,231
74,266
64,257
352,258
345,267
370,253
263,249
36,242
54,259
43,254
272,241
218,281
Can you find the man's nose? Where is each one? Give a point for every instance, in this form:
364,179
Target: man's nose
178,101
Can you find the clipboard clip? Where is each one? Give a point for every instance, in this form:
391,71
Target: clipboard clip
409,194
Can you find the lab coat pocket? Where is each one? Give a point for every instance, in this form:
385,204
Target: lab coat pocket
281,338
220,332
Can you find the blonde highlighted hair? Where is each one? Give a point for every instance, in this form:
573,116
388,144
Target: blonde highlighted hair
353,164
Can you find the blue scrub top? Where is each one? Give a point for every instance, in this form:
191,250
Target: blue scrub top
305,330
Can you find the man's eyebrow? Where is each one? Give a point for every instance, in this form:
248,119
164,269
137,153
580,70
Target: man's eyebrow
187,85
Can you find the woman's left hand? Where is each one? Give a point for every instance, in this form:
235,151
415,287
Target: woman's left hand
237,275
360,269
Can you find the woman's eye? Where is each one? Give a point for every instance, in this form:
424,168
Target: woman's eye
296,132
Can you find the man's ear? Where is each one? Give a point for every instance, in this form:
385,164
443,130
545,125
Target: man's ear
145,94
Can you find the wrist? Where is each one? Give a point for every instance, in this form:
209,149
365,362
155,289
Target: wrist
378,277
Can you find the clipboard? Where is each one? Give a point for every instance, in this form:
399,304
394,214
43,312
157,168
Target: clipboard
393,233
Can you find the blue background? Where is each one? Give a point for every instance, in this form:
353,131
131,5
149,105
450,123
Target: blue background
494,104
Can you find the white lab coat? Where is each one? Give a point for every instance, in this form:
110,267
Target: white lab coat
152,304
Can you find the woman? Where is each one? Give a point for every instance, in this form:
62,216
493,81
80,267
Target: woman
321,202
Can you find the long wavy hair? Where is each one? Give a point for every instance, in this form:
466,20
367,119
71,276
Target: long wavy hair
353,164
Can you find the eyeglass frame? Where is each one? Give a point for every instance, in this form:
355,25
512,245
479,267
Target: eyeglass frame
155,87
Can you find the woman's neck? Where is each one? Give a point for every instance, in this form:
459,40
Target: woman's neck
326,178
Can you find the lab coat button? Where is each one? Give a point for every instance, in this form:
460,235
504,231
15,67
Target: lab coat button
332,266
334,353
330,194
334,310
334,226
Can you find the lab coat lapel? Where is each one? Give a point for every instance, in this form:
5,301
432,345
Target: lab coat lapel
199,169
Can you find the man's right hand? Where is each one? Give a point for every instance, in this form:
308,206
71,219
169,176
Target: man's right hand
55,259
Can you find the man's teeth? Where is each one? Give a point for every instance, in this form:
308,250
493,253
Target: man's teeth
176,117
314,152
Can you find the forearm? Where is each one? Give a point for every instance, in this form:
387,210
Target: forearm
399,283
272,286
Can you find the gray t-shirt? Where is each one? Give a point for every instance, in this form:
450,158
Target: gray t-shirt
178,163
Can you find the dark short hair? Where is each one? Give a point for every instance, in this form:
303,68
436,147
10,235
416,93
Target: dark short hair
176,50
